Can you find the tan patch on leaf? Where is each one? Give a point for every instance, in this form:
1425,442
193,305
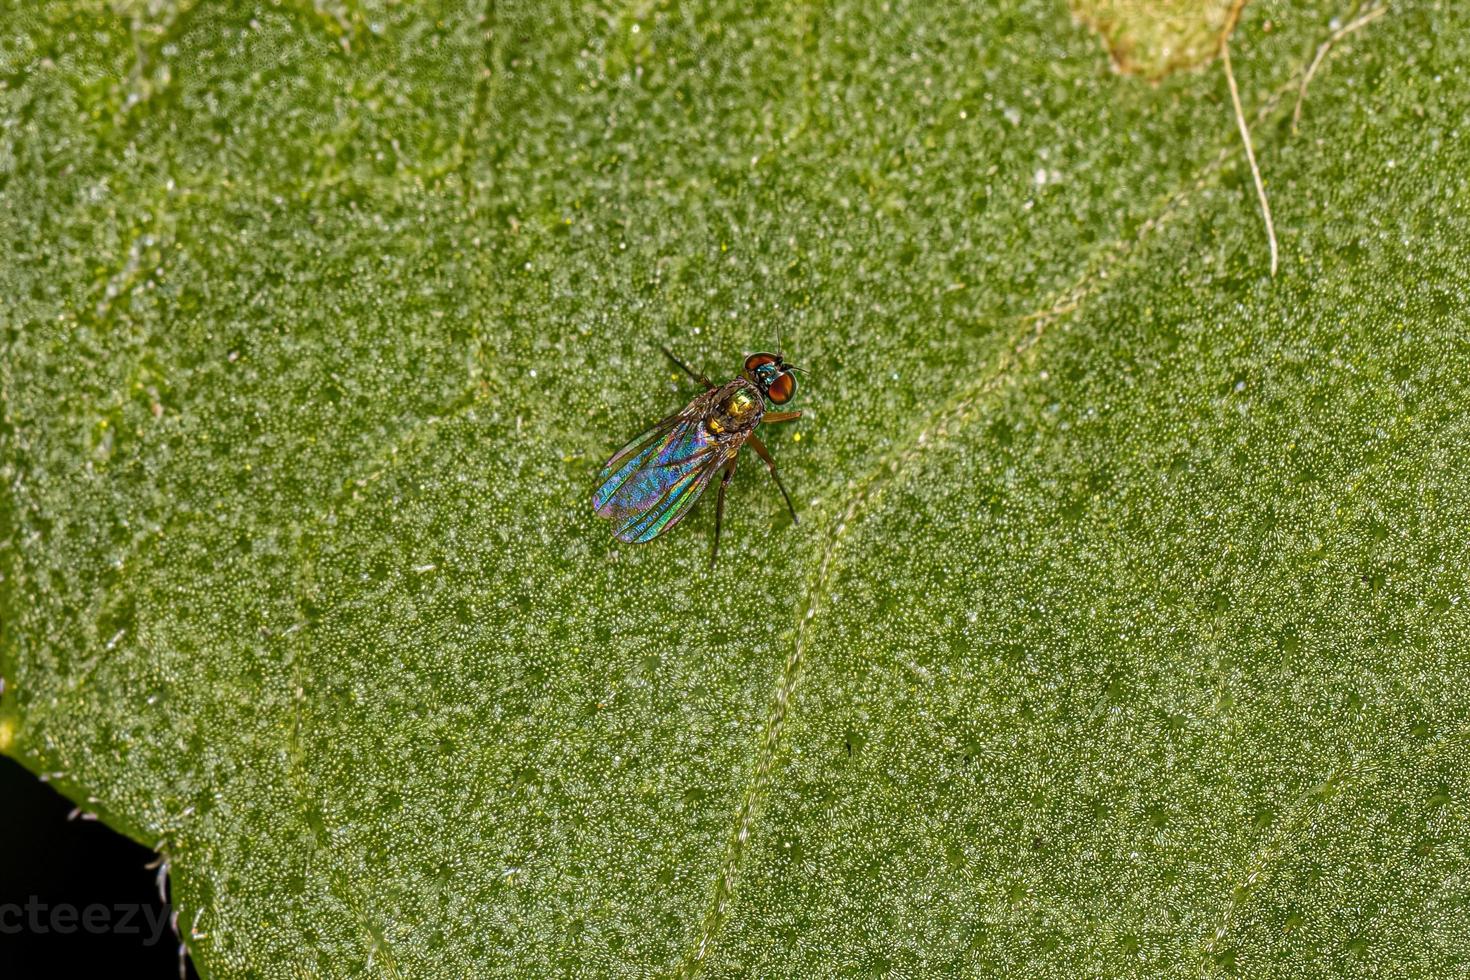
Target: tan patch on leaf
1154,38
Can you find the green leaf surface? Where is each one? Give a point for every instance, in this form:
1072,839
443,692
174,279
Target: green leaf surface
1123,631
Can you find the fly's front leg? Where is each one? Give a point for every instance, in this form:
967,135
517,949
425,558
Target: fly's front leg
720,509
687,369
763,453
780,416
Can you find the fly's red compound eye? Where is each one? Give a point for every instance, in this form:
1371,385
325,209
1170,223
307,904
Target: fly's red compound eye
756,360
781,390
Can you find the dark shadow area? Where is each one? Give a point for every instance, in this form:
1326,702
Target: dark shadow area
75,898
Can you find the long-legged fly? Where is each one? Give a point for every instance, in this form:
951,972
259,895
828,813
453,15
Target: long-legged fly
652,483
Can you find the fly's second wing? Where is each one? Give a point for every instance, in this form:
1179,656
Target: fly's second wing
650,484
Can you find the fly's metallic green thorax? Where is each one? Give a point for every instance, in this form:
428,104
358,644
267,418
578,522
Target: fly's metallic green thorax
737,408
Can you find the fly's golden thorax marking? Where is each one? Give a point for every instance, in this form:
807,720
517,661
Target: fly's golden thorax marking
739,410
740,405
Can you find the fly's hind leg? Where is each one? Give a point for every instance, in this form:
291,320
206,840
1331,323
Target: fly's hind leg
687,369
763,453
720,508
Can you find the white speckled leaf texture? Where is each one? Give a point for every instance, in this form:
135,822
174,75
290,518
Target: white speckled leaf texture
1123,632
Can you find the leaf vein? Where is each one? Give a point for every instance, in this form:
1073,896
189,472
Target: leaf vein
1017,353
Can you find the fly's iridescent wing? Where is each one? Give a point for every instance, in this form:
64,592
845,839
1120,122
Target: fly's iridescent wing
651,484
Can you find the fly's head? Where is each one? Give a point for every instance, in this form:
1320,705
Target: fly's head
772,375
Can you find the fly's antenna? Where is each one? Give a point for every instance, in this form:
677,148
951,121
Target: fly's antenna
780,346
793,367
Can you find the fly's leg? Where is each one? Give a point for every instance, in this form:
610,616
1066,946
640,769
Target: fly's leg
763,453
781,416
687,369
720,509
